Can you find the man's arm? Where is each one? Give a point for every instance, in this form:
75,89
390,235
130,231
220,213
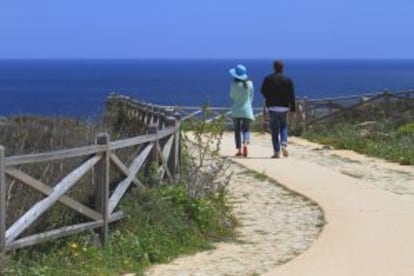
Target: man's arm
292,101
264,89
252,93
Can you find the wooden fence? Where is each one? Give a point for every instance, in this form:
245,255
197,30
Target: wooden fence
160,146
394,105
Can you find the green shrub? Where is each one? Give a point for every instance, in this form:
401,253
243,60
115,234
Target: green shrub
407,129
382,140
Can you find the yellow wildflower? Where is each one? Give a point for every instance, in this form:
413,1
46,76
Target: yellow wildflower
73,245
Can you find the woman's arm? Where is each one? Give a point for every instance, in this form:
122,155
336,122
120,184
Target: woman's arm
251,94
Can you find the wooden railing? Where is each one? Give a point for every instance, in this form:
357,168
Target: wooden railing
313,111
160,146
366,107
392,105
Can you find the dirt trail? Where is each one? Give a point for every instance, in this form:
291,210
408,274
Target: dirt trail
277,225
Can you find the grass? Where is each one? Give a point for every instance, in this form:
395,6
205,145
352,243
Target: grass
162,223
257,175
384,139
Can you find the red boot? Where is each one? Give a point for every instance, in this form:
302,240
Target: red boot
245,151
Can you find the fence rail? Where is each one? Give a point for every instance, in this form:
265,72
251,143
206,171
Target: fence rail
313,111
369,107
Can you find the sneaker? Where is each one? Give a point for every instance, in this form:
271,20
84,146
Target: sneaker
276,155
285,151
245,151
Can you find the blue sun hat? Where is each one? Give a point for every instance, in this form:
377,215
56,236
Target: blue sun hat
239,72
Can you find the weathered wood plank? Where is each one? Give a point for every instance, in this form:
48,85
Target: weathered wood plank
356,97
46,190
124,170
140,139
53,155
2,202
123,185
218,116
192,114
167,148
61,232
40,207
130,142
347,109
102,185
153,156
177,149
164,155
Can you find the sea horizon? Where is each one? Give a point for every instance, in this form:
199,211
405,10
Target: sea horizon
204,58
79,86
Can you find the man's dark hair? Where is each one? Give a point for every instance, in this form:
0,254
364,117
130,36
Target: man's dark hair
278,66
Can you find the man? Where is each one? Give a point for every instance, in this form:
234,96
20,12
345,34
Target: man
279,94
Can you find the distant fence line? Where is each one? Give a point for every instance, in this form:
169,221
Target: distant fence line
309,112
369,106
314,111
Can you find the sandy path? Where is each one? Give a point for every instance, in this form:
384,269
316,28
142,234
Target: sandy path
386,175
276,224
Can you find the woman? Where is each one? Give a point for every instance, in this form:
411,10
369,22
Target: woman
241,94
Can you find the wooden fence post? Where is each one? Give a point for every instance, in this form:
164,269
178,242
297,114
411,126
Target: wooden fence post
174,157
330,107
145,115
305,114
153,129
177,147
2,210
156,116
102,186
153,157
161,120
150,114
387,104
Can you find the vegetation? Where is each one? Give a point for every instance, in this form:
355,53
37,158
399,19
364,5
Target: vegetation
380,126
383,139
29,134
204,169
162,222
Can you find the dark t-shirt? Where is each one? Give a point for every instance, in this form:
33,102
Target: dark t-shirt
278,90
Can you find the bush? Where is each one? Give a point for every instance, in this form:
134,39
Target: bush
380,140
407,129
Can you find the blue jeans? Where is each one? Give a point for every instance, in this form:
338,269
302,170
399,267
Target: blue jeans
278,126
241,131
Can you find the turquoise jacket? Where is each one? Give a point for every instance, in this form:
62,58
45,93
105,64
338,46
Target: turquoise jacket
242,100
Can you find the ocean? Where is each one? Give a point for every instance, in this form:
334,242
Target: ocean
78,88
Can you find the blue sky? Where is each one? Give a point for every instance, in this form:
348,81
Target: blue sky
206,29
